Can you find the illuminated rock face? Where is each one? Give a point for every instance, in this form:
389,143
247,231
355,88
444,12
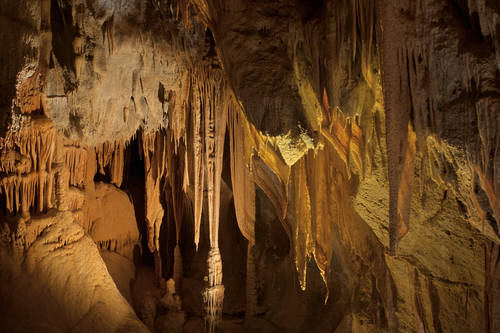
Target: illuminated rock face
316,166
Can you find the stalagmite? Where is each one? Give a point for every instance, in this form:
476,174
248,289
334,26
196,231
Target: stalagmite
213,295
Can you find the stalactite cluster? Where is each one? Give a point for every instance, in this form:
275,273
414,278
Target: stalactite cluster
112,155
29,182
343,123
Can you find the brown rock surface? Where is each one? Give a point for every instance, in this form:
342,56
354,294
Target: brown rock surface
317,166
55,280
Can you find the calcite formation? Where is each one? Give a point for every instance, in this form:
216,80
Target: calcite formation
209,165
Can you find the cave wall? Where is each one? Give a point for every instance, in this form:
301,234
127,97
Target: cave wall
324,166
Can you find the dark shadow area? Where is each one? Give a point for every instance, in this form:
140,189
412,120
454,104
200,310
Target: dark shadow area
134,185
63,33
167,231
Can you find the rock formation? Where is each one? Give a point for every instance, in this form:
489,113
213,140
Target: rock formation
261,166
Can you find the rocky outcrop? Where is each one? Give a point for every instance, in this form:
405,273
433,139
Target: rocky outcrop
55,279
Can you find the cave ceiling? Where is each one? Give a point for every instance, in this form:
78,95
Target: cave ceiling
262,166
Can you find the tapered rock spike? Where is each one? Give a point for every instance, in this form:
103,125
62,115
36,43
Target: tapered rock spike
112,154
175,173
199,174
154,154
397,106
301,214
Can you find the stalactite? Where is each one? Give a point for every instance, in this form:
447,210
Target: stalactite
272,186
301,219
319,170
29,184
267,151
198,152
76,163
242,183
117,164
175,174
13,162
41,188
485,160
35,171
395,82
241,149
154,153
346,137
36,142
23,192
112,155
178,115
366,24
